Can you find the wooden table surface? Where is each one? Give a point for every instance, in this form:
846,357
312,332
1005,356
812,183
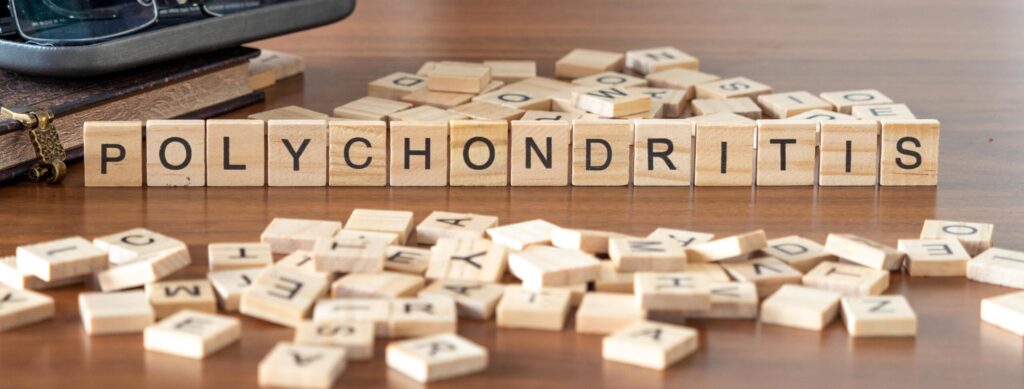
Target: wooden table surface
959,62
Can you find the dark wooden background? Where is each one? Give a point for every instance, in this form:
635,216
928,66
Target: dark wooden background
959,62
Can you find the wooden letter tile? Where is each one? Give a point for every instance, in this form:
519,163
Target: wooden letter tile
587,241
512,71
296,153
542,266
377,285
437,357
286,235
732,87
729,247
282,296
649,344
874,316
112,153
355,310
849,280
612,101
467,259
540,153
656,111
355,337
647,61
612,280
584,62
60,259
19,308
370,108
863,251
115,313
521,99
303,261
882,111
849,153
235,153
787,104
671,292
610,79
743,106
376,220
230,284
445,100
769,274
441,224
134,244
281,65
479,153
234,256
191,334
999,267
711,271
673,101
844,101
396,85
910,152
600,152
518,236
302,366
683,79
682,237
801,307
975,237
487,111
175,153
419,154
1005,311
387,238
935,257
403,259
637,254
663,148
10,276
349,255
474,299
801,253
724,154
169,297
289,113
605,313
543,309
721,117
422,316
730,300
456,78
786,152
549,115
357,153
427,113
150,268
823,115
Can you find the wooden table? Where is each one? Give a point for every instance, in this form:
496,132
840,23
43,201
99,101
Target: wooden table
958,62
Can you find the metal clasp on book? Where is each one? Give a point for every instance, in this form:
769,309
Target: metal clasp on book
45,140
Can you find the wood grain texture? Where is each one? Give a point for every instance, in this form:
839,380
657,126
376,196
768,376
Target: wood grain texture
937,66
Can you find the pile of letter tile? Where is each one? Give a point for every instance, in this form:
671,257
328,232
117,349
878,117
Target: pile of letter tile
381,275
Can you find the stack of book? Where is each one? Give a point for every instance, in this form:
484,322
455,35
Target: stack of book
197,87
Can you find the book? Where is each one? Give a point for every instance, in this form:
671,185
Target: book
198,87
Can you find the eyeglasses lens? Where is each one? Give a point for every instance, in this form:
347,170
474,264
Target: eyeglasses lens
81,20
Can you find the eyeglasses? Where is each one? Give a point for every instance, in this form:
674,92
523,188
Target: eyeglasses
70,22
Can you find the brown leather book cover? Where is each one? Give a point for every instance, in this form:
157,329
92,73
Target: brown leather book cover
200,86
